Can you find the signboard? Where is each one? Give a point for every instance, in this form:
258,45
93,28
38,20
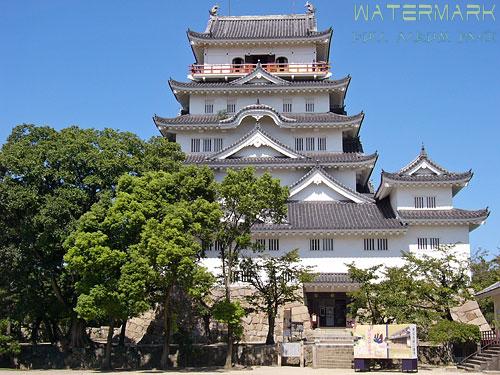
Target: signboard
290,349
385,341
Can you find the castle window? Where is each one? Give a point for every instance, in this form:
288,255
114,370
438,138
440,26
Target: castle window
217,144
369,243
209,106
287,105
207,145
422,243
327,244
238,64
382,244
299,144
419,202
231,105
195,145
274,244
314,244
322,144
434,243
282,63
309,104
431,202
310,144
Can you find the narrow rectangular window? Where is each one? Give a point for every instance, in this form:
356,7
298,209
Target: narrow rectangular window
419,202
287,105
299,144
382,244
231,105
207,145
314,244
434,243
422,243
431,202
195,145
217,144
309,104
327,244
322,144
274,244
369,243
209,106
310,144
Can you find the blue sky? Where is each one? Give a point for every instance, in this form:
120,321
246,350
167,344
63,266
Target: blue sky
101,64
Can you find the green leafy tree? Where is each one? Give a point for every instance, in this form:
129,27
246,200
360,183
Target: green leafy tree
48,179
230,313
8,344
245,200
277,281
450,332
423,290
111,283
485,271
200,292
158,220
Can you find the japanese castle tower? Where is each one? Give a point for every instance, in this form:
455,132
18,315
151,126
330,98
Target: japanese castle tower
261,94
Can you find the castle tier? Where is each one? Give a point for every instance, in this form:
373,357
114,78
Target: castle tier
260,94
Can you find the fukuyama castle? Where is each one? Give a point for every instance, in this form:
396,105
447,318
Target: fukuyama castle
261,94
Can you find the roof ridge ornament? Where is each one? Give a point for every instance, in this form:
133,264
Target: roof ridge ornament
423,152
214,10
310,8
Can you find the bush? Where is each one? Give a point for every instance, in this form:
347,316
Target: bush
231,314
8,345
447,331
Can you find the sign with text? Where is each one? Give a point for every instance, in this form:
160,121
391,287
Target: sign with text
385,341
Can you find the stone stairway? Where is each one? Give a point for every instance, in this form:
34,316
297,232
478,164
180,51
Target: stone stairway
333,348
487,359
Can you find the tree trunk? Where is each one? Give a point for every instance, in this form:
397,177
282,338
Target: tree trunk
206,325
229,355
121,342
106,363
271,319
35,329
167,327
78,336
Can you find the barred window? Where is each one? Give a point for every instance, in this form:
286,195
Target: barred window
369,244
209,106
310,144
231,105
299,144
207,145
287,105
240,276
419,202
382,244
322,144
431,202
422,243
327,244
217,144
274,244
314,244
195,145
434,243
214,246
309,104
260,243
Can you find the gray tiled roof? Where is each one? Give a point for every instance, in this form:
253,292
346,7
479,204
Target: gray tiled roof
328,118
489,289
194,85
326,158
332,278
444,177
261,27
454,214
336,216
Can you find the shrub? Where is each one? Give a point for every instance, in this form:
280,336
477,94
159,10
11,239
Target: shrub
447,331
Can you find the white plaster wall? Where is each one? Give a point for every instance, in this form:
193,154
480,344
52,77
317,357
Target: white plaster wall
321,102
403,197
294,53
348,249
285,136
319,192
345,176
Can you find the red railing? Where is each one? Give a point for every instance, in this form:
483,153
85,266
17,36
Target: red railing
207,69
490,338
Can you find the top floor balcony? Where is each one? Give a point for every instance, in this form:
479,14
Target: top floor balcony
294,70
